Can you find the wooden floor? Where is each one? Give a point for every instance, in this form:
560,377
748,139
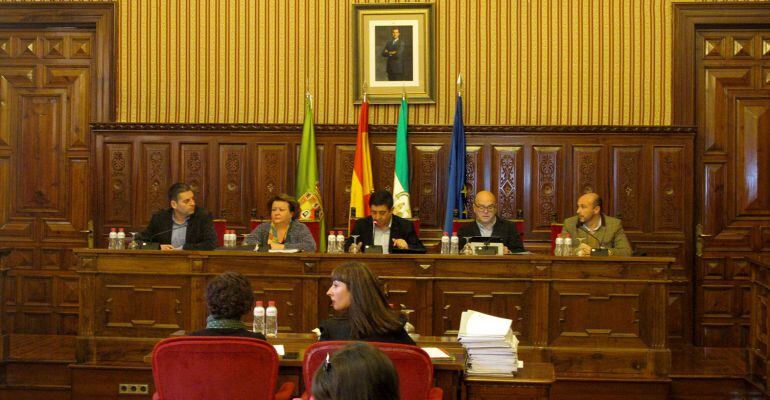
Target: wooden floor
39,367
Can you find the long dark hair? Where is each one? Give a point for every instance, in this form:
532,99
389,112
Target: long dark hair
368,312
358,371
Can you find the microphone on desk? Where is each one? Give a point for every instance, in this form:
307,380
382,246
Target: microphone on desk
153,236
581,226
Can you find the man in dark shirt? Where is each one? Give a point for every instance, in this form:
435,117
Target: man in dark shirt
183,226
488,224
382,228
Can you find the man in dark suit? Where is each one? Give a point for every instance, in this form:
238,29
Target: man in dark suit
183,226
393,51
488,224
384,229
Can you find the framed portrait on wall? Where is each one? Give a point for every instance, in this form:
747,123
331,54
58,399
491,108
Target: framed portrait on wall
393,53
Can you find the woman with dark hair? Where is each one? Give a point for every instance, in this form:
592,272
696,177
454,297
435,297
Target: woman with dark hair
283,231
229,297
362,306
358,371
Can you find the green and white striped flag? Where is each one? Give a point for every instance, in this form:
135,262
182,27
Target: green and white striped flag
401,206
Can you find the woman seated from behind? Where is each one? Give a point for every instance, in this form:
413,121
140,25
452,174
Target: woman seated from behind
229,296
283,231
363,313
358,371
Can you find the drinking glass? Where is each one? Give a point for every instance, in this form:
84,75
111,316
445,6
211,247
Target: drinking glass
354,249
468,248
133,245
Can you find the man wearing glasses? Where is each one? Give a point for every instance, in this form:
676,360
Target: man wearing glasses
488,224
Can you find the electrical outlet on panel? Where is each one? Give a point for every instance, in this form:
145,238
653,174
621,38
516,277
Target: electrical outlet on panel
134,388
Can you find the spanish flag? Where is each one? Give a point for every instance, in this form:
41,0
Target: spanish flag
361,185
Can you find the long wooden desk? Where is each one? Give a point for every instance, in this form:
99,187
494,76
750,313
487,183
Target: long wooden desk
589,317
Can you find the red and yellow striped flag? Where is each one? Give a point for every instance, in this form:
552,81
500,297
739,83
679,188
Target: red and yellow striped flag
361,184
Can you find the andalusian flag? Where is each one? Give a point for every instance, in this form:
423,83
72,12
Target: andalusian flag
361,185
401,206
308,189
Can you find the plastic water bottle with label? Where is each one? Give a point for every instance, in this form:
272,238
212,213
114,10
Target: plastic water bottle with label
454,244
445,243
120,242
113,240
271,319
331,242
559,246
340,239
258,326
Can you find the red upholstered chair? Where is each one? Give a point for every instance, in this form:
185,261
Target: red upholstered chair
214,367
519,227
314,226
555,232
220,226
254,223
414,367
416,225
457,223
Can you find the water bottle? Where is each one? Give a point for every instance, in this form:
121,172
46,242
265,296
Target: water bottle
331,243
120,243
113,239
258,326
454,244
340,239
230,239
557,250
567,249
271,319
445,243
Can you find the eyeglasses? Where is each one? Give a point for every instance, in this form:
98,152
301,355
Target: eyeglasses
488,208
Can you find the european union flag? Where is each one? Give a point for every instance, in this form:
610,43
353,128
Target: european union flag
456,186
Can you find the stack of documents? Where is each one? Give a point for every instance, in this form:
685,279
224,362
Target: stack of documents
490,344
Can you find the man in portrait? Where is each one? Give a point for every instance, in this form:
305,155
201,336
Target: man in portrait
393,51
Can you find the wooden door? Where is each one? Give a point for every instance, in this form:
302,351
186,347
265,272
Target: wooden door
51,87
732,68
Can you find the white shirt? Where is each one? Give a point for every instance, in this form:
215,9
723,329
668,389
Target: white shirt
382,236
484,231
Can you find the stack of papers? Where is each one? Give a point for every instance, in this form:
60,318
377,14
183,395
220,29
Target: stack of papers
490,344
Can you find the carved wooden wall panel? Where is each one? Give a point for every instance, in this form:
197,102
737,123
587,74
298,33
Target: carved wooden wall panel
383,164
427,190
232,184
668,202
474,176
344,157
53,83
154,178
589,173
626,195
270,177
118,184
547,184
508,179
194,169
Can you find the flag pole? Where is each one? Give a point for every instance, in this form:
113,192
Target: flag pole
460,84
366,87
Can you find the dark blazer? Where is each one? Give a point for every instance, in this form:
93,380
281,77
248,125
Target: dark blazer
228,332
338,328
503,229
400,228
200,230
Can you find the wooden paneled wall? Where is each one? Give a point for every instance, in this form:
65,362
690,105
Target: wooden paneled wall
644,174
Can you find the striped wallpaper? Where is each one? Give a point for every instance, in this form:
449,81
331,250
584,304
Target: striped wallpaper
525,62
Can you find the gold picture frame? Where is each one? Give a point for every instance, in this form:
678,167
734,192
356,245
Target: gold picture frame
393,53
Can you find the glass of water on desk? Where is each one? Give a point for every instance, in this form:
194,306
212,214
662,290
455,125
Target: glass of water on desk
354,249
468,248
